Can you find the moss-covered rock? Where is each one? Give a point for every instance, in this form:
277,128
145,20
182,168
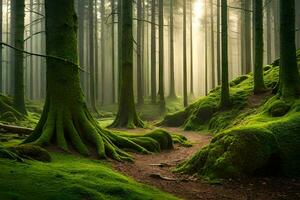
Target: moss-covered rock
162,137
32,152
278,108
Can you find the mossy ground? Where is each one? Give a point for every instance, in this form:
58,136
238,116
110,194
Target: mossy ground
69,177
257,141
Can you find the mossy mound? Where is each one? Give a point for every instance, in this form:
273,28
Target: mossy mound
32,152
162,137
262,144
70,177
206,114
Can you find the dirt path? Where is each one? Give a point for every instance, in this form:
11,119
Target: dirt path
147,168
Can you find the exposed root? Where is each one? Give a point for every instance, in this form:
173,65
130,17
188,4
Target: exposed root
77,128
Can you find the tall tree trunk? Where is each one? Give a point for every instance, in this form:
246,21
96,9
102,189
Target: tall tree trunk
225,96
112,2
247,37
289,75
212,45
18,8
191,50
259,85
119,8
218,42
91,54
127,116
140,95
172,65
31,68
162,103
103,61
81,34
153,51
66,120
185,93
205,46
1,57
96,51
269,35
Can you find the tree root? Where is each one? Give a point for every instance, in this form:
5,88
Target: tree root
77,128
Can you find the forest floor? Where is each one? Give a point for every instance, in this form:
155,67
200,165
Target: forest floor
156,170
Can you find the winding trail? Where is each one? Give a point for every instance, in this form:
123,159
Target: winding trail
156,169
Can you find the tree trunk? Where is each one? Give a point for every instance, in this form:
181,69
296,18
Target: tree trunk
103,61
96,51
81,34
172,67
218,42
113,50
185,93
1,60
205,46
140,95
289,75
247,39
269,35
225,96
18,7
259,85
162,103
92,59
153,51
212,45
127,116
192,52
65,120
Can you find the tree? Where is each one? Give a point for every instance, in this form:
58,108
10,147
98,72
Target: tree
162,103
127,116
246,37
185,93
289,75
112,4
18,13
153,51
205,46
92,57
81,34
1,22
65,119
102,50
225,96
172,67
140,95
212,43
259,85
218,43
191,50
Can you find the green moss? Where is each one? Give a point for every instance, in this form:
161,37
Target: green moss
32,152
70,177
162,137
278,108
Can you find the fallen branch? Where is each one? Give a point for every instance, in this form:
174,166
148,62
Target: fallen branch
4,128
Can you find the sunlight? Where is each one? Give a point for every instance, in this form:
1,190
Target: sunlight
198,11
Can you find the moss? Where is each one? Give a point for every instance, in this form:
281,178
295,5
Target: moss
181,140
70,177
162,137
278,108
32,152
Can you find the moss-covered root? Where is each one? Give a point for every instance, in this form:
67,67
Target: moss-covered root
236,153
83,133
7,112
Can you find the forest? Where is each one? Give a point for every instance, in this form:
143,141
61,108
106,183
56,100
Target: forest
149,99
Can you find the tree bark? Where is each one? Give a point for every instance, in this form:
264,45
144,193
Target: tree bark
162,103
153,51
289,75
127,116
259,85
185,93
225,96
18,8
172,67
212,46
140,95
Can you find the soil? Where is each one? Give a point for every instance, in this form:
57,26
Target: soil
156,170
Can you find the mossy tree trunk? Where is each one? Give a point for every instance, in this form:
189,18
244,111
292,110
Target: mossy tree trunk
172,65
212,43
153,51
259,85
289,75
162,103
112,2
225,96
65,120
18,12
127,116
